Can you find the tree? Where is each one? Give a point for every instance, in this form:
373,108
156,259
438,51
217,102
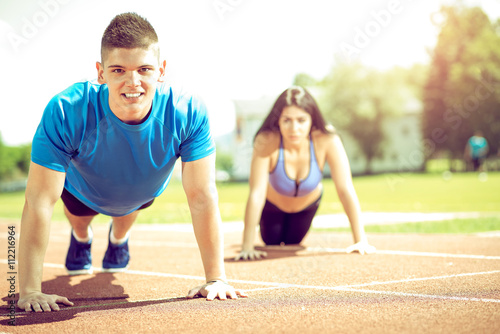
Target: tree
357,99
23,158
5,165
14,161
462,92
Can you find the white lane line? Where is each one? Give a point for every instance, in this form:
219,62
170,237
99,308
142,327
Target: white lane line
409,253
278,284
407,280
282,285
297,248
347,288
391,293
168,299
419,295
458,256
394,293
159,274
317,249
354,286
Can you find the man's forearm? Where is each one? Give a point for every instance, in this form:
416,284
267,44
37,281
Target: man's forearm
35,228
207,229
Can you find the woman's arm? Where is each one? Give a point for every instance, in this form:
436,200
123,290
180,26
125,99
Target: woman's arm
342,178
258,182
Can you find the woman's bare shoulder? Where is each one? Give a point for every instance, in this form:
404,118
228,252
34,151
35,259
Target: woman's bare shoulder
322,139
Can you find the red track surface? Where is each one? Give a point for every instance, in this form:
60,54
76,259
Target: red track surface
414,284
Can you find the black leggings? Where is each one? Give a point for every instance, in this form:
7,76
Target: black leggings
278,227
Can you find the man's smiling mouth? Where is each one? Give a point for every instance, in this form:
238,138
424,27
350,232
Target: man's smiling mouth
132,95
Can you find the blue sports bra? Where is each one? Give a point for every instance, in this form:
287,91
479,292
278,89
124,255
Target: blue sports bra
284,185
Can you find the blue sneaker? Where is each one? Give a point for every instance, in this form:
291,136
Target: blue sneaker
79,259
116,257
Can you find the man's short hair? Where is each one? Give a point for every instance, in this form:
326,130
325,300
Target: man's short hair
128,31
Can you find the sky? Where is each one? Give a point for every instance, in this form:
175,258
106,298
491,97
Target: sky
221,50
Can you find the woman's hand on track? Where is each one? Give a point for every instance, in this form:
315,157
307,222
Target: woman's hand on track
250,255
362,248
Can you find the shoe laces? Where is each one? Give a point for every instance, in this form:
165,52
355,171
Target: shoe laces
81,251
118,253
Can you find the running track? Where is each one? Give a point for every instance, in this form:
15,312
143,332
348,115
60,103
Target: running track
414,284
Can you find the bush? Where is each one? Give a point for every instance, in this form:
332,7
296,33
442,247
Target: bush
14,161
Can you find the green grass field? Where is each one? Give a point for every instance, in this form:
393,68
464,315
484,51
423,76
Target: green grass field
463,192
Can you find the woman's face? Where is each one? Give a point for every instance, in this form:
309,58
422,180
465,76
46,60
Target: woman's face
295,124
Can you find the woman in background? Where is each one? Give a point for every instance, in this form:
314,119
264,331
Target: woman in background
290,152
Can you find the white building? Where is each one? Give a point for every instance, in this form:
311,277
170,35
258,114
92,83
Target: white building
402,147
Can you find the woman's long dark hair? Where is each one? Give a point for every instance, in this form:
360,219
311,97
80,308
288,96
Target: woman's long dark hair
300,97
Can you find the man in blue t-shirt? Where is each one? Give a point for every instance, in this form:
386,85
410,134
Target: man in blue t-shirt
110,148
476,150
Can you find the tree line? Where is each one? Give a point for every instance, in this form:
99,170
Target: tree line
457,93
14,161
462,91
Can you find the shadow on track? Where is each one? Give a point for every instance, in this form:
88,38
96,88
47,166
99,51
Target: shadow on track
95,293
286,251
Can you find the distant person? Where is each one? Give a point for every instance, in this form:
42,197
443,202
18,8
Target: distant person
476,150
291,149
110,148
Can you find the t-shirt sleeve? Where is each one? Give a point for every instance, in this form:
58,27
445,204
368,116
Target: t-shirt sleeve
197,141
51,146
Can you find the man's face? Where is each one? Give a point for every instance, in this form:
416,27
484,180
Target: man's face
131,76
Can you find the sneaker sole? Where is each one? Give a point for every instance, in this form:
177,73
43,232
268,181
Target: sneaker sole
114,270
80,272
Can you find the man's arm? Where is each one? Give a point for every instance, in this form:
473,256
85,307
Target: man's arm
198,180
42,192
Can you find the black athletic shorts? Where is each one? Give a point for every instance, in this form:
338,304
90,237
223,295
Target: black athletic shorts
278,227
77,208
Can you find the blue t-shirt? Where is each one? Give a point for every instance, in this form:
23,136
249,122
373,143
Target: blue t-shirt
113,167
478,146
